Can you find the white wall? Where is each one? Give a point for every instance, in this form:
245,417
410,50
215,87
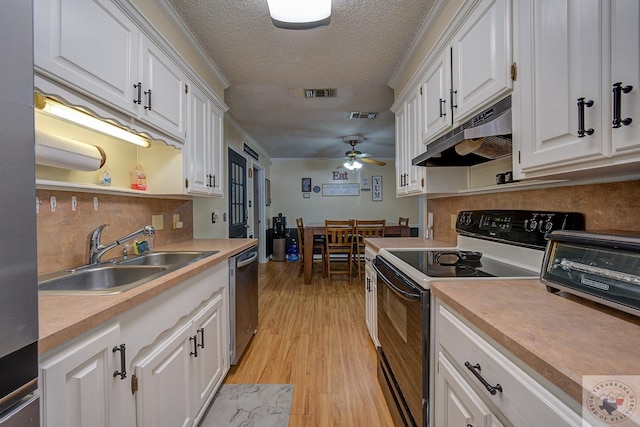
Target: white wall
287,196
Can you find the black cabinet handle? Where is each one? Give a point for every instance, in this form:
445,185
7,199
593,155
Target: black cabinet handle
148,93
214,180
123,361
475,370
581,130
194,353
618,90
201,332
139,87
451,92
442,110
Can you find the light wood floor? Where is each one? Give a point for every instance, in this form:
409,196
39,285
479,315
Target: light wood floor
315,337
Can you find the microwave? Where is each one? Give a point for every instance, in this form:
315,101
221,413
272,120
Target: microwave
601,266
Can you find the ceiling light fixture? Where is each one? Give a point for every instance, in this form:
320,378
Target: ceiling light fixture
78,117
352,165
300,14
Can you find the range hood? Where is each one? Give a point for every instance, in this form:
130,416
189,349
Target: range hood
484,137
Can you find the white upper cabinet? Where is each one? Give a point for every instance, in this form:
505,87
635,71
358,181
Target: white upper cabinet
471,71
89,44
204,157
559,51
481,58
163,91
436,113
93,47
410,179
625,69
570,56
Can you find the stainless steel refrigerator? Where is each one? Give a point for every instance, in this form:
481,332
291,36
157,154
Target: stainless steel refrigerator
19,405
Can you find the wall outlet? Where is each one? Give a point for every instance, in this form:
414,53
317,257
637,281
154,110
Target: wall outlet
176,220
157,222
454,219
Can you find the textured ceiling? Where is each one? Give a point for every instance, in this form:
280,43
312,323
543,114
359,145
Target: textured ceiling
268,68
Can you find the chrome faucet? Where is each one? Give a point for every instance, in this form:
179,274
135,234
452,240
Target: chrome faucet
97,249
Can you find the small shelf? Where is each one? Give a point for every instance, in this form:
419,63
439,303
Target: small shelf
43,184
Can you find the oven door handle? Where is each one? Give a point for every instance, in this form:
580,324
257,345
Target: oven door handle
409,296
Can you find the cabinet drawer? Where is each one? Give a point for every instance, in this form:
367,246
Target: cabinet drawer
523,400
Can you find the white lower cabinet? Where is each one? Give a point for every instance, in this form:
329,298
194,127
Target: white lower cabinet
463,397
78,385
458,404
371,295
165,383
178,375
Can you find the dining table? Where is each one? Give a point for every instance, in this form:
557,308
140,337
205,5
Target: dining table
319,230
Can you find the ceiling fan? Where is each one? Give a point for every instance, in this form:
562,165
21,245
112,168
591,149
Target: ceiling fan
354,157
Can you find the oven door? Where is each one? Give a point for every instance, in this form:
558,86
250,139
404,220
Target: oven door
403,332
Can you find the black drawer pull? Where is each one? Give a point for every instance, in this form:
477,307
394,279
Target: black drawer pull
581,130
475,370
618,90
139,87
194,353
148,93
123,361
442,110
201,332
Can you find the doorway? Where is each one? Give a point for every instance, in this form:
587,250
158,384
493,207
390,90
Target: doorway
237,195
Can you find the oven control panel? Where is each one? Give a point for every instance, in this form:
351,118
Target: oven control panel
520,227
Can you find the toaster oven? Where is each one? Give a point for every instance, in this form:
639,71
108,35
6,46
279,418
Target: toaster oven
601,266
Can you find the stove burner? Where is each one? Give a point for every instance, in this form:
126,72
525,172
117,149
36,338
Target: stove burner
458,257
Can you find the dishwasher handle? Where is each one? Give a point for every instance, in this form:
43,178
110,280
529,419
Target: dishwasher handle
252,257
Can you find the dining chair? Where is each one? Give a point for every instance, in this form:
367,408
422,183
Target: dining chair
339,235
404,222
318,245
366,229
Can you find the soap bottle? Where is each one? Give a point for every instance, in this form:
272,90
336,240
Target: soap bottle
104,176
139,178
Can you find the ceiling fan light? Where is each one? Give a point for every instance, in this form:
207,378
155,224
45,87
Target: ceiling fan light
352,165
300,14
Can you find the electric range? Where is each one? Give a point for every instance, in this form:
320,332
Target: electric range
498,244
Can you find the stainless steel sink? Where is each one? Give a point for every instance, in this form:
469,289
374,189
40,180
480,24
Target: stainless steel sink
102,279
119,275
166,258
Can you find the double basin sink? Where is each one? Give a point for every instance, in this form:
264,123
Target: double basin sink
119,275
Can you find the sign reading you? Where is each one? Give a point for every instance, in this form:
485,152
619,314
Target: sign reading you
340,189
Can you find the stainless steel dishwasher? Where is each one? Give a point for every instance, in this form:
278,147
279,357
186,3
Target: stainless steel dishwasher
243,301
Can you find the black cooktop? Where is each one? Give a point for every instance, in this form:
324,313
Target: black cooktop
459,264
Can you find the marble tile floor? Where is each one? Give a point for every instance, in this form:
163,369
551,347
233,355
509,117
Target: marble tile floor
250,405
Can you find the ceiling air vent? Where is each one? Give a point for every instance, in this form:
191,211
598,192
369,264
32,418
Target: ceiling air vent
359,115
320,93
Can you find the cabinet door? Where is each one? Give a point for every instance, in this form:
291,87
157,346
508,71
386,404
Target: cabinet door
164,91
625,69
216,157
209,327
90,45
560,57
481,57
371,297
414,183
78,387
401,151
436,114
456,403
164,397
198,142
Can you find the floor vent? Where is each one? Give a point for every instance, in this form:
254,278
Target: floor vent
320,93
359,115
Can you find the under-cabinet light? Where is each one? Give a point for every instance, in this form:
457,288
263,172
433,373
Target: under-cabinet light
73,115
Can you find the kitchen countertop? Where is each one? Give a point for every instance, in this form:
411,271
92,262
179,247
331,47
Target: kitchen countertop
561,336
62,318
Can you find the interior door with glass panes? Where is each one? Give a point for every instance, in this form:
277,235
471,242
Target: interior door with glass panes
237,195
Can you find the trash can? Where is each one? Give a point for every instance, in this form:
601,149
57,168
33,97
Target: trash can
279,248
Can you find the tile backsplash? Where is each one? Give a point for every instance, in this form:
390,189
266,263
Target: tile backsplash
62,235
612,206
